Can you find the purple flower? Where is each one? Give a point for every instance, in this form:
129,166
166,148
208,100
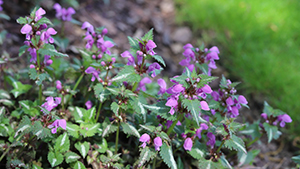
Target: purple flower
51,103
1,2
63,13
129,57
242,99
229,101
172,102
163,86
39,13
285,118
211,139
150,46
32,52
142,84
90,41
154,66
94,72
175,89
58,85
46,35
89,27
207,89
188,144
58,123
47,60
169,123
139,55
264,115
204,105
88,104
145,138
26,29
215,96
104,45
157,143
203,126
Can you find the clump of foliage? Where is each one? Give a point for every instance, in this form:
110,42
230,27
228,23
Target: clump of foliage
122,115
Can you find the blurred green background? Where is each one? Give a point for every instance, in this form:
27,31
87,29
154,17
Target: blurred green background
259,43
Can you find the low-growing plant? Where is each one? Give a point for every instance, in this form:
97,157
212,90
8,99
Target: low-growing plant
94,111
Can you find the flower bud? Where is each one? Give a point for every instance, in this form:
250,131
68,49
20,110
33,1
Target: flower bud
31,66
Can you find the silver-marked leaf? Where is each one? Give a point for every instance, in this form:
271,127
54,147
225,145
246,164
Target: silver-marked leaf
166,154
145,155
73,130
71,157
272,131
4,94
88,130
235,143
62,143
55,158
79,165
224,162
194,107
89,115
110,128
130,130
78,114
83,148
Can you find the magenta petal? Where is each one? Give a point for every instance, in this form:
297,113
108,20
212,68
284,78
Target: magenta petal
157,142
229,101
150,44
188,144
242,99
90,70
26,29
161,82
88,105
51,31
264,115
57,7
207,89
204,105
145,138
54,130
62,123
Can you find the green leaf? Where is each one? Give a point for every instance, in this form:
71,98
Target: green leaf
4,16
6,102
24,127
43,20
83,148
78,114
127,74
73,130
235,143
204,79
296,159
225,162
71,157
4,94
22,50
40,131
130,130
28,107
20,89
62,143
115,108
180,164
21,20
79,165
2,112
164,136
34,166
270,111
160,109
194,107
41,77
145,155
103,146
248,158
166,154
138,107
89,115
50,50
159,59
88,130
198,150
110,128
133,43
55,158
33,74
272,132
148,36
208,164
100,92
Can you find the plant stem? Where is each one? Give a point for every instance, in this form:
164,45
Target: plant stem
220,146
174,124
62,102
20,152
154,163
178,147
98,112
117,138
62,32
38,72
75,87
134,86
253,141
40,94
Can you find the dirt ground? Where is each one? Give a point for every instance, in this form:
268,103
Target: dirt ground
134,18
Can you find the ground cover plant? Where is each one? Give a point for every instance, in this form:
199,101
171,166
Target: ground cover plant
120,115
262,33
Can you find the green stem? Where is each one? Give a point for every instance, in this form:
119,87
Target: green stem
62,102
75,87
134,86
154,163
20,152
220,146
174,123
98,112
117,138
40,94
178,147
253,141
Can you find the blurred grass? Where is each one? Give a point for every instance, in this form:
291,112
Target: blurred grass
259,43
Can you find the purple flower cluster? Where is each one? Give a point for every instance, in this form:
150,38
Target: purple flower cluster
98,39
145,138
195,55
63,13
58,123
281,119
45,33
51,103
228,100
